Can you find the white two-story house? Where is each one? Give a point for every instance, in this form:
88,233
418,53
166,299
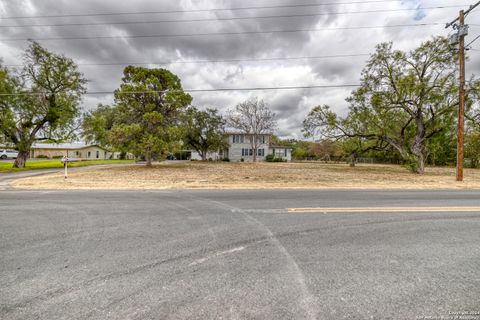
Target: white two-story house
240,147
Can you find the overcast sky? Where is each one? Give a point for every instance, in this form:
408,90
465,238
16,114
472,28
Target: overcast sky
324,36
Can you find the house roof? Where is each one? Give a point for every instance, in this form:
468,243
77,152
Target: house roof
240,132
279,146
65,146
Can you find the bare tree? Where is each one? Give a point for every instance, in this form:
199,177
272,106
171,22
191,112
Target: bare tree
254,118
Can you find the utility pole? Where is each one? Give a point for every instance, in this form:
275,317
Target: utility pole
461,99
459,37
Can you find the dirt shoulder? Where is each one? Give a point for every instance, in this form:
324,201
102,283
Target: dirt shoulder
224,175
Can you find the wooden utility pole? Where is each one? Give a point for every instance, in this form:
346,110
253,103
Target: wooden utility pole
461,98
459,37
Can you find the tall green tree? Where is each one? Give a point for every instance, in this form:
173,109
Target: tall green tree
148,109
96,125
472,147
42,103
405,99
204,131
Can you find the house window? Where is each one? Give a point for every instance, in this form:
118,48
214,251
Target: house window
237,138
262,139
105,154
261,152
89,154
98,154
285,152
247,152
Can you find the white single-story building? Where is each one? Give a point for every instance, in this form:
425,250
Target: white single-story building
71,150
194,155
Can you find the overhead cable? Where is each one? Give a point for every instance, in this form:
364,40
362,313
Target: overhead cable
219,33
96,14
214,61
76,24
197,90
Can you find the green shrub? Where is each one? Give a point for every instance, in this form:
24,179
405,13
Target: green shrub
242,160
226,159
57,157
271,158
41,156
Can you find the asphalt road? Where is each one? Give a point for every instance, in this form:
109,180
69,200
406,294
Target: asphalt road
237,255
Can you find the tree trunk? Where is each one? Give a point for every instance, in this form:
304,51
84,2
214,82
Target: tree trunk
203,154
419,145
21,159
417,163
418,149
148,158
254,147
421,164
352,159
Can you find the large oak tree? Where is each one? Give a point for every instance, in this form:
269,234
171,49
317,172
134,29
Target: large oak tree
204,131
40,103
405,100
146,118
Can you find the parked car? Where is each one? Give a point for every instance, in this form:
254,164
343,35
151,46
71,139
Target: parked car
8,153
171,157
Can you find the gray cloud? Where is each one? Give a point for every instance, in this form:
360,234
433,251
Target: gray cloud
291,106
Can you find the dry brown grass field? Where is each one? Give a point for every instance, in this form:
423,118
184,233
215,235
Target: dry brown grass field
225,175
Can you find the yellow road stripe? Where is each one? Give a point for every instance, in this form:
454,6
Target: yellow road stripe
387,209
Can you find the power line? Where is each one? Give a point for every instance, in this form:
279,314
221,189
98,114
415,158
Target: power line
214,61
224,19
221,33
196,10
199,90
470,9
473,41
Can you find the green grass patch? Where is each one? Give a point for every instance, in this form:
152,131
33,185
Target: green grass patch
52,164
